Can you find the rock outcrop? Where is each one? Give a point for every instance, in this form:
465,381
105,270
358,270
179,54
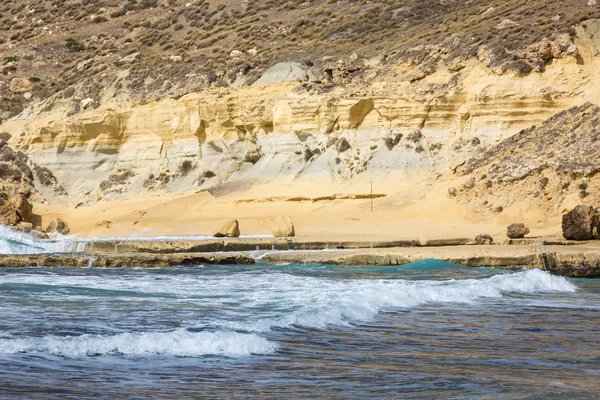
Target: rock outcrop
8,214
282,226
58,225
517,231
579,223
282,73
227,228
550,167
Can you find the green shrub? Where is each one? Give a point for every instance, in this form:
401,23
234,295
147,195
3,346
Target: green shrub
73,45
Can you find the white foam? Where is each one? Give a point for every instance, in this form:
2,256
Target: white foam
13,242
296,300
180,343
361,300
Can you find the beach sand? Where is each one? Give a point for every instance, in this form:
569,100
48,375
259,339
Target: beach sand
320,212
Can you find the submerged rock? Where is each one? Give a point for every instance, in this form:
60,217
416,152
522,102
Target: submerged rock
282,226
227,228
579,223
517,231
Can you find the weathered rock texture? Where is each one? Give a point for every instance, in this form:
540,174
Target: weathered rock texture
16,185
550,166
58,225
517,231
484,239
127,115
227,228
138,260
282,226
579,223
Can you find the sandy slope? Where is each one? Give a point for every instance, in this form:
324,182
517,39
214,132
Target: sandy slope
417,211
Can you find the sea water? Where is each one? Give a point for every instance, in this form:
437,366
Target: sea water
426,330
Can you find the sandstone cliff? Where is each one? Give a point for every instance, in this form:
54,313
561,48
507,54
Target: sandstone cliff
405,121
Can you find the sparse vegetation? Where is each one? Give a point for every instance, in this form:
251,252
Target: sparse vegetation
343,145
421,33
415,136
73,45
117,179
157,182
186,167
45,176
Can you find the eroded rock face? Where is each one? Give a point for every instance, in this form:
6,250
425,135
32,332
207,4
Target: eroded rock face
579,223
8,214
517,231
58,225
227,228
484,239
23,208
282,226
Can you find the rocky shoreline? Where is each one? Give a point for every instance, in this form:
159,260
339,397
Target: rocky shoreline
137,260
565,258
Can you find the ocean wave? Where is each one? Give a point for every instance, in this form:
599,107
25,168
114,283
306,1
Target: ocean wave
180,343
13,242
262,301
361,300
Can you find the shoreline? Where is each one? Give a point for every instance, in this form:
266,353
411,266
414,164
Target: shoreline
560,257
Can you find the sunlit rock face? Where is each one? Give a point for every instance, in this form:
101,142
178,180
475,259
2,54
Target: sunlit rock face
411,131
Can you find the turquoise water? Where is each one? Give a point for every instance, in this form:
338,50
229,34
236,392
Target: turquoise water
426,330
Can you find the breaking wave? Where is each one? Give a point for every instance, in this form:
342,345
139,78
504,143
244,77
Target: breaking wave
181,343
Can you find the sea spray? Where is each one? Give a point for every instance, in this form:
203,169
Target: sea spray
13,242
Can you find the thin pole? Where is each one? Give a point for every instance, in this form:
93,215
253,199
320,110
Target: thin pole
371,196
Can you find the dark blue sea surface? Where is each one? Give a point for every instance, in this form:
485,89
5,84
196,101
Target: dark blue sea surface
426,330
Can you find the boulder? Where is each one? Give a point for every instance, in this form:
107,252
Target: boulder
282,226
517,231
227,228
579,223
58,225
8,213
20,85
23,227
38,234
484,239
